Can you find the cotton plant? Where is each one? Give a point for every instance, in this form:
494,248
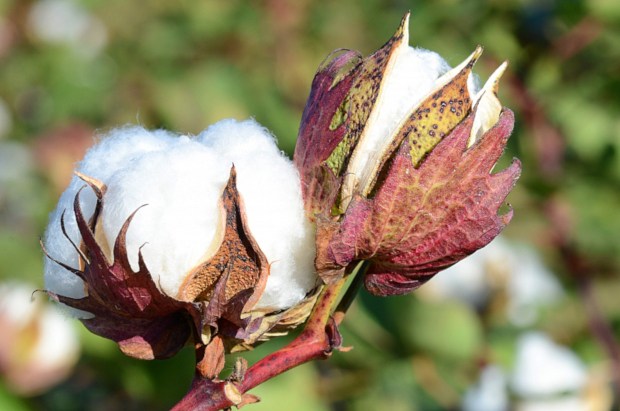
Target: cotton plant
220,241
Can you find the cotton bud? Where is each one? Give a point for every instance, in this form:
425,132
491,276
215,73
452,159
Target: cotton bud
161,239
395,153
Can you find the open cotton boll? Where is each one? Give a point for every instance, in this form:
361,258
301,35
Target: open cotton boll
180,181
411,77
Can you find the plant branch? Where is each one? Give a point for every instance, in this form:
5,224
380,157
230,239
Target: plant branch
351,293
318,339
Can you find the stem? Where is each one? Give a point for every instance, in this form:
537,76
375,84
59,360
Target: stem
351,293
316,341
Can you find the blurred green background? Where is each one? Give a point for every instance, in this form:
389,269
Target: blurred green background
69,68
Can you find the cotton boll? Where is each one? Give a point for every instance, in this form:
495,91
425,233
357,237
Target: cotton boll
543,368
181,190
180,181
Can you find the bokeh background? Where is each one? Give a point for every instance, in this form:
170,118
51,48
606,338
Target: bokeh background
531,323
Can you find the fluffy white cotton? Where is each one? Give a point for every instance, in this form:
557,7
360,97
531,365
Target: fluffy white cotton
120,147
279,226
181,179
410,77
544,369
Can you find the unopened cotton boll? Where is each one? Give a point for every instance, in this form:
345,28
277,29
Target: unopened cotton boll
176,184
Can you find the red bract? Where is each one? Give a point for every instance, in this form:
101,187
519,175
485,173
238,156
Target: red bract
425,219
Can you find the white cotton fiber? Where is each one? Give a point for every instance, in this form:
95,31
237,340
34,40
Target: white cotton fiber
272,197
180,180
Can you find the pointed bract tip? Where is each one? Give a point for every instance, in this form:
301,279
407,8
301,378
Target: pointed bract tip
494,78
473,57
403,29
470,60
97,185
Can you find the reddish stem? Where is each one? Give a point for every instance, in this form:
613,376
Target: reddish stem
317,341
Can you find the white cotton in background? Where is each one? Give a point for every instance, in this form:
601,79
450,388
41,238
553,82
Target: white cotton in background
6,119
489,394
15,162
180,180
568,403
530,286
543,368
501,264
468,280
56,343
67,22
